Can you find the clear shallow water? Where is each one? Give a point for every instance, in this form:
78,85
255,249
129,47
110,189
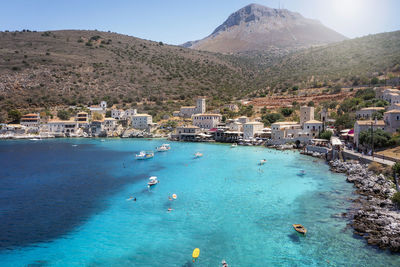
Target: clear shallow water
64,203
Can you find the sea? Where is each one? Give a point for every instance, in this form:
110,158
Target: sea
69,202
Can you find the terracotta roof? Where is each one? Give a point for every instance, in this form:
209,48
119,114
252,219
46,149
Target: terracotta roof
59,121
286,123
313,121
210,114
393,111
368,122
373,108
31,114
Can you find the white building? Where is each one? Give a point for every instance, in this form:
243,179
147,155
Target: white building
110,124
235,126
129,113
284,130
366,113
391,95
62,127
206,121
251,128
243,119
117,114
313,127
392,120
82,118
141,121
306,114
101,109
366,125
188,111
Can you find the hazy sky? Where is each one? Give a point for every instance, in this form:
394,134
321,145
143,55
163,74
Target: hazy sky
177,21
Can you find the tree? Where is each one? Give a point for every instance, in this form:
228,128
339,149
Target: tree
97,116
286,111
108,113
345,121
380,138
63,114
310,104
271,118
325,135
374,80
14,115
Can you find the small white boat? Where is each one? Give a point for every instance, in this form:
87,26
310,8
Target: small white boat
152,181
233,145
262,162
163,148
198,155
34,139
145,155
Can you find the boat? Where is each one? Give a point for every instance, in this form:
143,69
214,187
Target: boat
198,155
262,162
300,228
34,139
163,148
302,173
195,254
224,263
145,155
233,145
153,181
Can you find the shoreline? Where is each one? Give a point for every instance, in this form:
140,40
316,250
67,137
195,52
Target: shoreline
374,217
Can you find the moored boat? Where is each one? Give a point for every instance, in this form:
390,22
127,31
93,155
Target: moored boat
233,145
163,148
152,181
300,228
145,155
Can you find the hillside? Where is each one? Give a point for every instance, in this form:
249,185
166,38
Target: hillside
259,28
351,62
83,67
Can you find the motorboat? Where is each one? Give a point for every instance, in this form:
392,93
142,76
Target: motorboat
300,228
163,148
233,145
152,181
198,155
262,162
145,155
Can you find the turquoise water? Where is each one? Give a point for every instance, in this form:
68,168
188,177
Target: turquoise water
227,206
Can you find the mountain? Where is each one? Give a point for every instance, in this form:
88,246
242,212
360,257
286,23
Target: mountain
259,28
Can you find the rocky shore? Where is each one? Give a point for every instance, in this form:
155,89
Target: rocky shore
376,218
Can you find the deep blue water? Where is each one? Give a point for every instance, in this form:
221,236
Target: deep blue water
64,203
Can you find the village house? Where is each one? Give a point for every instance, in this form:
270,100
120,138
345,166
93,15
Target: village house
60,127
243,119
206,121
110,124
392,120
101,109
188,111
235,126
285,129
117,114
306,114
187,133
366,125
313,127
97,128
82,119
142,121
251,128
366,113
30,120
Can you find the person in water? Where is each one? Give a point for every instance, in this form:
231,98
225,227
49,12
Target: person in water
169,209
134,199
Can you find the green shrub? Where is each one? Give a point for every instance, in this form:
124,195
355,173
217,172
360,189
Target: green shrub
396,198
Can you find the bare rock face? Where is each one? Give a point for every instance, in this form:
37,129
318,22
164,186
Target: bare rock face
377,219
259,28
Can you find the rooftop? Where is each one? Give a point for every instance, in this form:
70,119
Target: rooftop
142,115
208,114
313,121
393,111
286,123
373,108
369,122
253,122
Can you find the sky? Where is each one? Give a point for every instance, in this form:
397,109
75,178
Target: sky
178,21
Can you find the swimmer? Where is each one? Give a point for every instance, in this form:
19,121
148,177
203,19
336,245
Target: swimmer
134,199
170,198
169,209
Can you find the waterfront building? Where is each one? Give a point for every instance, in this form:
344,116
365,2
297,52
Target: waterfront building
117,114
60,127
366,125
82,119
187,133
392,120
129,113
251,128
306,114
110,124
235,126
285,130
189,111
313,127
97,128
142,121
366,113
206,121
30,120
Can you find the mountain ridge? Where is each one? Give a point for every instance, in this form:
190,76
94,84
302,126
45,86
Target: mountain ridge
257,28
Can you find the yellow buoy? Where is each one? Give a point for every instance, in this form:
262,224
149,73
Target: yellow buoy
174,196
196,253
